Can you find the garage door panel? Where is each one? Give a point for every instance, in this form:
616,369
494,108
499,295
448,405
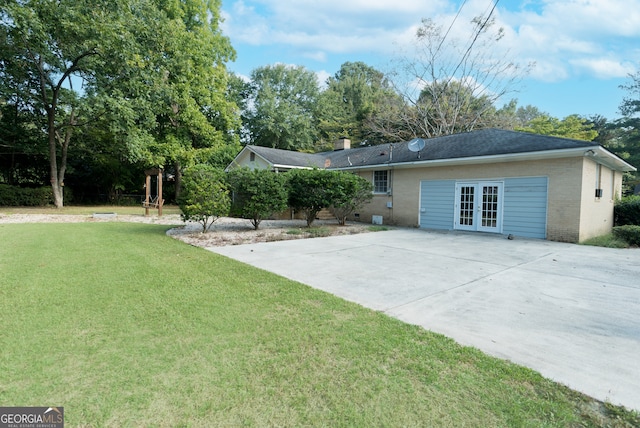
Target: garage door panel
436,206
525,207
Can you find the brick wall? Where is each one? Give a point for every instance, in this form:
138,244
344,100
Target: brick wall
573,213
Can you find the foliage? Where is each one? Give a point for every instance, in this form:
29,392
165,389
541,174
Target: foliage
149,74
350,192
511,116
572,126
451,86
205,195
607,241
627,145
353,95
257,194
622,137
630,106
14,196
629,233
627,211
310,191
283,102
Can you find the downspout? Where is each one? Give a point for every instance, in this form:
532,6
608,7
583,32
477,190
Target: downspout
391,183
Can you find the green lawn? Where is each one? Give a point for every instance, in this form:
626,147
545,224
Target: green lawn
88,210
124,326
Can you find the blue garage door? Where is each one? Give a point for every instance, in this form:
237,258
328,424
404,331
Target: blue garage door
437,198
524,206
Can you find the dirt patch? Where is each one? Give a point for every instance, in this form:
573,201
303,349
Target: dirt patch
228,231
224,231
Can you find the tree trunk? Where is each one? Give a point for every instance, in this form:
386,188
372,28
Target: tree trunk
178,179
56,185
58,171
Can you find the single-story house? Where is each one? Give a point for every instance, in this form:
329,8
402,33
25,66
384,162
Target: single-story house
490,180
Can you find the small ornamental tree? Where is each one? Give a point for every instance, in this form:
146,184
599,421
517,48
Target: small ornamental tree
350,192
257,194
310,191
205,195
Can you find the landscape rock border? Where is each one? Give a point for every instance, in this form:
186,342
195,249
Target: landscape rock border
224,231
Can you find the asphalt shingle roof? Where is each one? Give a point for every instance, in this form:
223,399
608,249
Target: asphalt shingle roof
291,158
486,142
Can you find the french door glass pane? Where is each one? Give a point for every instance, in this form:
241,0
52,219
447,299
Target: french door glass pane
490,206
466,205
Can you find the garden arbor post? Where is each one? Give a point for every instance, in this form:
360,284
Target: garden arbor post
153,201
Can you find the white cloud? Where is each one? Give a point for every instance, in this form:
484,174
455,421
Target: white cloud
603,68
565,38
577,37
330,26
322,76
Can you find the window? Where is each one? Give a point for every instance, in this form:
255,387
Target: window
380,181
252,157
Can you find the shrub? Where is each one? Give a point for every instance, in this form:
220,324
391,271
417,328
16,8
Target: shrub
310,191
627,211
15,196
350,192
628,233
205,196
257,194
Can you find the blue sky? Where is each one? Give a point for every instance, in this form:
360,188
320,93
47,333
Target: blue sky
583,49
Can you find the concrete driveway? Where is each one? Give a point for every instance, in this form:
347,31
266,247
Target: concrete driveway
570,312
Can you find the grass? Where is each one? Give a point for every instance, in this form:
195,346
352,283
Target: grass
609,241
377,228
124,326
311,232
88,210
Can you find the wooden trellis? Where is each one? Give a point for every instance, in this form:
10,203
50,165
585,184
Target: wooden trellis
155,202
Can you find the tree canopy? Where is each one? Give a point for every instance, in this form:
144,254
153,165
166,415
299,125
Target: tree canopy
572,126
352,97
282,110
150,73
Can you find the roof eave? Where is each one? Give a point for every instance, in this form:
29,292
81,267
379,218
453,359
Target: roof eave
284,166
606,157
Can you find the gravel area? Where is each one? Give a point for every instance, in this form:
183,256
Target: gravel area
224,231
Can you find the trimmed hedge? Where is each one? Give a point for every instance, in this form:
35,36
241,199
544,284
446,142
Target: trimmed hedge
627,211
629,233
14,196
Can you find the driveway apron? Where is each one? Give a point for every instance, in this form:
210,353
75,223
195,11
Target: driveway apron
568,311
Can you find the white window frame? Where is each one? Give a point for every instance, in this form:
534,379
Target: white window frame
376,189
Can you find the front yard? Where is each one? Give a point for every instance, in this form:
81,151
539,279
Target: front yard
125,326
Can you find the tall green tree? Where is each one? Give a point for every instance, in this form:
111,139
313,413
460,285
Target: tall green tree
628,143
154,69
283,105
353,95
452,106
511,116
572,126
